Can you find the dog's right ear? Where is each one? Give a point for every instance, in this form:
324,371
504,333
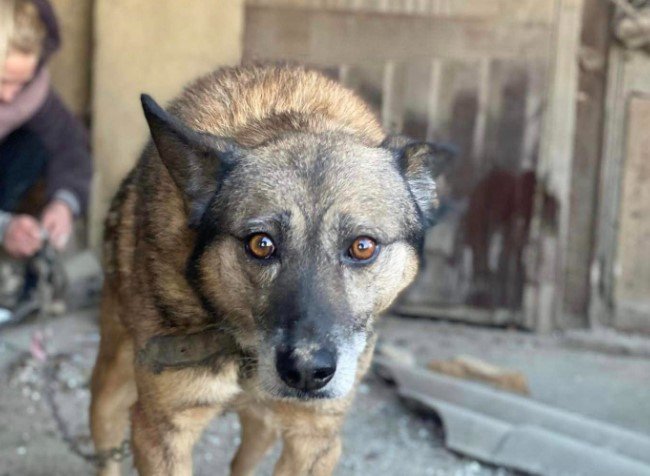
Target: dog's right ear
196,161
421,163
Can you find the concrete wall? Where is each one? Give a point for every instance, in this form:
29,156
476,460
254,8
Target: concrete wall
154,47
71,66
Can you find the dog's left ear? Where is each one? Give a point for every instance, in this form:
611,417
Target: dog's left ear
421,163
196,161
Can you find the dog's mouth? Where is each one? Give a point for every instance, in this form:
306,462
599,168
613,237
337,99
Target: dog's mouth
284,392
305,396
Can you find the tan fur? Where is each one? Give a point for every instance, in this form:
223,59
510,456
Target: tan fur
147,246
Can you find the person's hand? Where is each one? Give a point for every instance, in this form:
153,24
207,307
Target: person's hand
23,236
57,221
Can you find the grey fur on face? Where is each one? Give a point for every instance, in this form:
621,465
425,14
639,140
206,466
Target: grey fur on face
313,196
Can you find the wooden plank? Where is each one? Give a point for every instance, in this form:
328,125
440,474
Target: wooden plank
344,74
324,37
601,273
483,98
417,83
596,34
629,73
367,80
433,118
507,93
393,89
469,314
288,39
502,11
501,101
555,167
459,107
632,267
537,86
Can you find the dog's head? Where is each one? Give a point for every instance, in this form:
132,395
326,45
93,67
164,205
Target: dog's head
301,241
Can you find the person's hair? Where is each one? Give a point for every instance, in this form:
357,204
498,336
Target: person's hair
6,29
28,33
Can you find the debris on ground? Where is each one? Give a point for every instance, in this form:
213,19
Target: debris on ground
520,433
471,368
395,353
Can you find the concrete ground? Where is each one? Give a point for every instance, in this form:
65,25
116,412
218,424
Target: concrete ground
381,436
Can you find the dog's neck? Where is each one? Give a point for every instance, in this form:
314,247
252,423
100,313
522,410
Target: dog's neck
204,348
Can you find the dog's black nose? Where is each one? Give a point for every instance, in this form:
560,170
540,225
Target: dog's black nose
304,369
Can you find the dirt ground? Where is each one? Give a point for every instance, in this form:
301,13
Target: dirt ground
44,396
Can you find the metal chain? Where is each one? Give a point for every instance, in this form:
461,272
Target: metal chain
100,458
51,281
117,454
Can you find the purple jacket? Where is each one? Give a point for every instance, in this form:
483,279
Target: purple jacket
69,168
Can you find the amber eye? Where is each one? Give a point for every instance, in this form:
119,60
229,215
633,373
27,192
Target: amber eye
260,246
363,249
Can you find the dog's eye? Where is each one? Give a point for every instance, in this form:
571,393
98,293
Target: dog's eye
363,248
260,246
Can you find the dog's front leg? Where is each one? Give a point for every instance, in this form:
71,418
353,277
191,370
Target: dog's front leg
258,433
162,443
173,408
311,441
313,455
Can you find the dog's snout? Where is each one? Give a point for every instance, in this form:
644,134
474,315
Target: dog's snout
306,370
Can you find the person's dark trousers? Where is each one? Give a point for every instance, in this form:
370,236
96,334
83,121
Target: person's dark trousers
22,163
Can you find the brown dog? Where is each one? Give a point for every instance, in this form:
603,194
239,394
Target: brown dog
247,254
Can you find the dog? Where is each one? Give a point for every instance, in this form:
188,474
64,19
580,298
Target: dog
267,224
